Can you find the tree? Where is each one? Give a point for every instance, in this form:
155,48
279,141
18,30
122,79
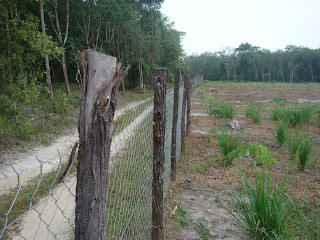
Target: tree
292,55
61,39
48,76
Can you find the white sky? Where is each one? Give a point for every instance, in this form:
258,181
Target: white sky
212,25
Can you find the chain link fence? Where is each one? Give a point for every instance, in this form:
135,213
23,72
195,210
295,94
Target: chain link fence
40,203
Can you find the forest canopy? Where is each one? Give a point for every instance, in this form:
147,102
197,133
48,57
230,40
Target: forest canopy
41,40
252,63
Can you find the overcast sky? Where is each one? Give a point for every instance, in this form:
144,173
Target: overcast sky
212,25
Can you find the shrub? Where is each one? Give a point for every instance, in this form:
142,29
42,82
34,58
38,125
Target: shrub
264,212
304,149
227,142
222,109
281,132
254,113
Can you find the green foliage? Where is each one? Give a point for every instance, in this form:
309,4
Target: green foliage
293,142
279,101
294,116
223,109
265,211
256,150
184,216
202,228
304,149
242,62
25,120
281,132
254,113
227,142
200,87
277,113
208,99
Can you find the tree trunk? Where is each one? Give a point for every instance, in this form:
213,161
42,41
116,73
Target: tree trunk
43,27
65,72
101,78
63,42
159,135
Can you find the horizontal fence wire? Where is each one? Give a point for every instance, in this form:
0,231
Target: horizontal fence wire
41,205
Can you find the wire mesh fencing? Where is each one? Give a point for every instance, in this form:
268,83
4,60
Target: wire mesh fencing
41,205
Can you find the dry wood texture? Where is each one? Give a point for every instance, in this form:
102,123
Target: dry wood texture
188,94
159,126
174,124
101,78
183,118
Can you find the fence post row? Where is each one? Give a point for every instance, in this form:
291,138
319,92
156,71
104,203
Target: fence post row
102,75
175,124
159,126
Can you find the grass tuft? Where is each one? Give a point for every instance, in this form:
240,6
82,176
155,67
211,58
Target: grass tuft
293,144
294,116
227,142
264,212
254,113
304,150
223,109
281,132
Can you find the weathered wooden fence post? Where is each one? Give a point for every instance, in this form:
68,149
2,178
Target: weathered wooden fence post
183,117
188,103
159,135
101,78
175,124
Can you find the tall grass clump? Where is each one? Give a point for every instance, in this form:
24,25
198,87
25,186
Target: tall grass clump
304,150
281,132
294,116
293,142
227,142
254,113
223,109
264,211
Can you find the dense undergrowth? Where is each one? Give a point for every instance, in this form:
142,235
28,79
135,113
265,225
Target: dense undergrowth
37,121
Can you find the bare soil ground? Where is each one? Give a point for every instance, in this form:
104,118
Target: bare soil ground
208,195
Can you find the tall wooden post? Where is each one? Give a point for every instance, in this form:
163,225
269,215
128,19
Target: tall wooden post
159,134
183,117
175,124
101,78
188,103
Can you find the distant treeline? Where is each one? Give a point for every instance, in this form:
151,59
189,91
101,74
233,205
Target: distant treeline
251,63
40,40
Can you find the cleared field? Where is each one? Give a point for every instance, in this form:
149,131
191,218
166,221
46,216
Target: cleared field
205,202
